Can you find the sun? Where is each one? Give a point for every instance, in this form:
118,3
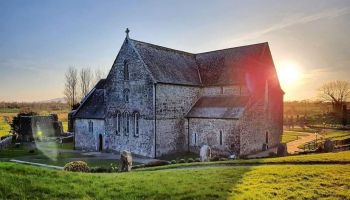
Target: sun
288,73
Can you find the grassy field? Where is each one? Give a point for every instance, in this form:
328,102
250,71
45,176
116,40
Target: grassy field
323,158
256,182
289,136
4,126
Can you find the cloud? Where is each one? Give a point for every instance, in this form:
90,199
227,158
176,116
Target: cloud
295,20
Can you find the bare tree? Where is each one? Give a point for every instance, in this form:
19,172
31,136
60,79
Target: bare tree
337,92
71,86
86,81
99,74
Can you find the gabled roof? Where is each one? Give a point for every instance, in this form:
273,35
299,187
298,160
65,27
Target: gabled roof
221,67
169,65
223,106
93,106
228,66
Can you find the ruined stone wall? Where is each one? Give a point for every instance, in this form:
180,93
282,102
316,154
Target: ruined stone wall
86,140
140,87
207,132
173,102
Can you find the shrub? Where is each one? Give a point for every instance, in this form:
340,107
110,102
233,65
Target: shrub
182,161
173,162
215,158
32,151
223,159
157,163
190,160
272,154
100,170
77,166
197,160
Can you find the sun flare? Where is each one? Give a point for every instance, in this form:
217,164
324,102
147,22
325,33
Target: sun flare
288,73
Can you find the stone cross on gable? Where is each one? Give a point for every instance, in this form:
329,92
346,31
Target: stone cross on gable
127,32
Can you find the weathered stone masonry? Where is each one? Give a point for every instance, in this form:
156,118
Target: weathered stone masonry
158,101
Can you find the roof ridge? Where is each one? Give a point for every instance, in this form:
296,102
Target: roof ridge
230,48
165,48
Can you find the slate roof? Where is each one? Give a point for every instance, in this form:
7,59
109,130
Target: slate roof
221,67
223,106
93,106
228,66
169,65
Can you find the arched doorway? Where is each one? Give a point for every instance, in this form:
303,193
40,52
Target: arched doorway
100,139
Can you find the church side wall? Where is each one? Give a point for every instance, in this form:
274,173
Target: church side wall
140,100
210,131
173,102
86,140
225,90
261,126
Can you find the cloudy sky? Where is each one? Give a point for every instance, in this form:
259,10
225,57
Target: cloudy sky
39,40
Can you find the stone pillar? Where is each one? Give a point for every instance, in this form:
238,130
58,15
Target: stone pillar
125,161
205,153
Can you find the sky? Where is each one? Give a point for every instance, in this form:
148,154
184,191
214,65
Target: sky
39,40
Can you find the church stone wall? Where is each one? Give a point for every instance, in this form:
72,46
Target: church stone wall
86,140
207,132
224,90
173,102
261,124
140,87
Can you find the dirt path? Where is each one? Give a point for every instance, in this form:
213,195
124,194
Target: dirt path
292,146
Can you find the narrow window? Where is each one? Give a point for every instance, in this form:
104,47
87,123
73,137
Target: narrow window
194,139
126,123
126,95
126,71
221,90
220,137
136,124
91,126
267,137
117,123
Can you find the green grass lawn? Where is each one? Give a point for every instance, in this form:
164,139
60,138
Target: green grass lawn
336,135
289,136
324,158
258,182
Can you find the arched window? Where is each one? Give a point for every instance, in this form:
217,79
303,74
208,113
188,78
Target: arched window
267,137
126,123
194,138
117,123
126,71
220,135
91,126
136,124
126,95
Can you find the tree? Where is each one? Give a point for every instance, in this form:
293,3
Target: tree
337,92
99,74
86,81
71,86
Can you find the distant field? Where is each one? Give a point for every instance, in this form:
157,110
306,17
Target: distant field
4,126
9,110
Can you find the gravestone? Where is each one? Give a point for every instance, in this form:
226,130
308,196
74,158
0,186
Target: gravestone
125,161
205,153
282,150
328,145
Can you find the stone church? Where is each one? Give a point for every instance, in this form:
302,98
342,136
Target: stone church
157,100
